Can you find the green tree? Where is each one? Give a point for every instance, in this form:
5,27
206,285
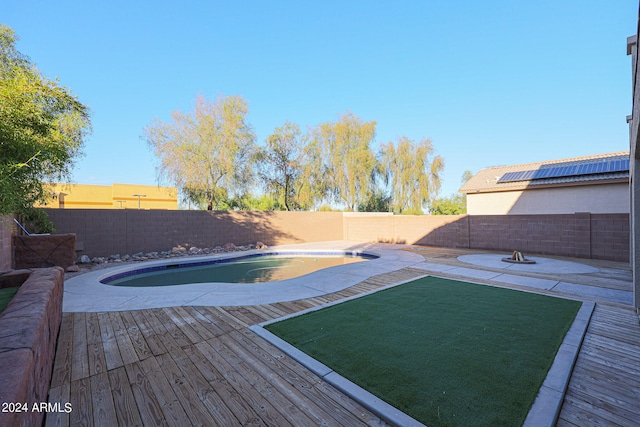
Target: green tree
208,153
452,205
456,204
249,202
347,157
282,164
376,202
412,172
42,130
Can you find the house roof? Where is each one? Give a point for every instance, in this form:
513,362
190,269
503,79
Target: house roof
594,169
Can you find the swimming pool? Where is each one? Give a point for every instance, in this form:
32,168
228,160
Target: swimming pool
253,268
86,292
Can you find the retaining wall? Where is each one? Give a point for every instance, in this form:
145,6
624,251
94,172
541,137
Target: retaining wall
29,328
42,251
7,230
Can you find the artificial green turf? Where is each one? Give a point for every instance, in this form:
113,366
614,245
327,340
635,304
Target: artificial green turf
6,294
445,352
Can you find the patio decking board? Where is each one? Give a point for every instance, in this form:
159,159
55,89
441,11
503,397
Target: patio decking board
202,366
605,384
182,366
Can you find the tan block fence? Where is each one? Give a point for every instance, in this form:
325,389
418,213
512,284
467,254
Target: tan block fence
107,232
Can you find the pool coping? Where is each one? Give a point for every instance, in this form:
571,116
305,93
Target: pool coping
85,293
544,411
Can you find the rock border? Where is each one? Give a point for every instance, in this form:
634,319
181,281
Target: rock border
175,252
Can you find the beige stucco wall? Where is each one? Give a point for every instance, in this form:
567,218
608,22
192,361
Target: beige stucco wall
603,198
116,196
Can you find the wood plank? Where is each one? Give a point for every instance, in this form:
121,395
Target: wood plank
622,335
180,338
135,336
80,398
58,395
148,404
604,381
302,380
109,343
266,312
224,316
289,307
61,374
245,399
240,316
217,323
171,408
104,413
258,313
334,398
124,402
193,319
95,350
213,387
125,346
189,386
267,380
610,359
585,415
161,332
80,356
181,323
153,340
276,310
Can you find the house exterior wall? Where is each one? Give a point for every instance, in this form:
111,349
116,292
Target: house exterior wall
602,198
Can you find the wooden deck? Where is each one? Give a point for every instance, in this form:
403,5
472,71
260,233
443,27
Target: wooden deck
183,366
605,385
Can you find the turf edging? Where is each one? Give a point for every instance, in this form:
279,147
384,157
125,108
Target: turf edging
376,405
544,410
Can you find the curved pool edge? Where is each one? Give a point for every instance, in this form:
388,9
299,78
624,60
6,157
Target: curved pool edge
84,293
186,262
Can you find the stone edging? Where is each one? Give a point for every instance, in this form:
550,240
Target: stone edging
29,328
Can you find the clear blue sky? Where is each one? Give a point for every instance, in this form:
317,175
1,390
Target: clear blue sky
491,82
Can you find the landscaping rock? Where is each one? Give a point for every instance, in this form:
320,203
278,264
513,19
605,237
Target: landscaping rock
84,259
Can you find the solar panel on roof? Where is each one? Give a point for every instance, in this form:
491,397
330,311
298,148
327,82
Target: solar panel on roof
559,170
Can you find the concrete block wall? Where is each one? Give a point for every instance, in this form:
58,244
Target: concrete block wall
610,236
581,235
7,230
565,235
107,232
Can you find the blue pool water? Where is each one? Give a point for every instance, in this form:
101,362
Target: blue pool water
255,268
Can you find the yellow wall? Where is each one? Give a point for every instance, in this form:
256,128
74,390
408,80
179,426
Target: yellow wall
116,196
